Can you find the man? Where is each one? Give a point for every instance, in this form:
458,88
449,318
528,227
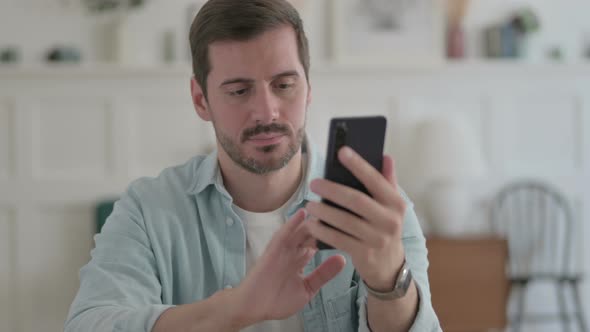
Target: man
205,246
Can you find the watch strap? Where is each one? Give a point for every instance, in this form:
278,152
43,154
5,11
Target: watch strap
402,283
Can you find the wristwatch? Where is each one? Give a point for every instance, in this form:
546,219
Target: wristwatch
402,283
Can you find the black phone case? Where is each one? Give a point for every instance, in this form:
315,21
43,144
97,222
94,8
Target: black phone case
366,136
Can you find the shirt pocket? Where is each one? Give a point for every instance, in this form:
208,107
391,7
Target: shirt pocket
342,311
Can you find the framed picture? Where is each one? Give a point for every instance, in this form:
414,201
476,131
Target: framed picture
404,33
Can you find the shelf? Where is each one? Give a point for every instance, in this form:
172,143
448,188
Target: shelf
467,68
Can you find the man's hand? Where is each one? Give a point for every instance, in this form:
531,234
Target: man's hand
373,238
276,288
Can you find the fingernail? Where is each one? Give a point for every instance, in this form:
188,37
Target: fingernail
346,152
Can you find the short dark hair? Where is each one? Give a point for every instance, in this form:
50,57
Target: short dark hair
241,20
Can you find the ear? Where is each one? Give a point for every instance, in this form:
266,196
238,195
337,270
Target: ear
199,100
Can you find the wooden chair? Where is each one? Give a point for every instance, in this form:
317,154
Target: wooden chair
538,223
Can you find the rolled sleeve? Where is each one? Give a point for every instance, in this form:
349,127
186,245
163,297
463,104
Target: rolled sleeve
119,287
426,320
417,258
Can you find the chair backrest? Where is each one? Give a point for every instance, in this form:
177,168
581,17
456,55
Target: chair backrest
537,222
102,212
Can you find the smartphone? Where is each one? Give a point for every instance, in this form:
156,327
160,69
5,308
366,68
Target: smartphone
366,136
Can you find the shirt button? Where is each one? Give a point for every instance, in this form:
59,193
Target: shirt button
229,221
229,286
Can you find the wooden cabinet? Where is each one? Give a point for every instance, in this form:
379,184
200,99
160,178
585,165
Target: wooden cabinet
468,282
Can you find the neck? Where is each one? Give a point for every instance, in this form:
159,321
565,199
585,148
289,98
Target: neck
260,193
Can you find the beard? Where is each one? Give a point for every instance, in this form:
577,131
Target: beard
261,167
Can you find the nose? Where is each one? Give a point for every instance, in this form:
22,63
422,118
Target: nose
266,107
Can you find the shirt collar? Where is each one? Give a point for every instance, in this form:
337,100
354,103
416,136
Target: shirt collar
205,174
208,173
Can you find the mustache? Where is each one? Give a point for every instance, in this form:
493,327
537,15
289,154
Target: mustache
265,129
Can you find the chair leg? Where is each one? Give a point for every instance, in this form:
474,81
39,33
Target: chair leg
562,305
578,304
522,286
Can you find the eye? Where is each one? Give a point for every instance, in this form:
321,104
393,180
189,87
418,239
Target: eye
285,86
238,93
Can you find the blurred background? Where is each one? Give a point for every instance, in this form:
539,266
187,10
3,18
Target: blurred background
488,108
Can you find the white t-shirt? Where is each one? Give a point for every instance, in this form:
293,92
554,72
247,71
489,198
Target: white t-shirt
260,228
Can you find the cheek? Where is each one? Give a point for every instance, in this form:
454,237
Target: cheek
235,123
227,117
297,113
296,108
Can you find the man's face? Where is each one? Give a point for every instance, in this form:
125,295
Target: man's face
257,99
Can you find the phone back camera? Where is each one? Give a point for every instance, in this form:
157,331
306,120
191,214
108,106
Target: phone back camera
340,141
341,131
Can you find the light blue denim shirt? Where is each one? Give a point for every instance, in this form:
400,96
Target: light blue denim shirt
175,239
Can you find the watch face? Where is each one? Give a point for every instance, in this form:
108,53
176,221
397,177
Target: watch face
405,281
402,284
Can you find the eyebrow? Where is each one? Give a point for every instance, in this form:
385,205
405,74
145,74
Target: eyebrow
250,81
286,74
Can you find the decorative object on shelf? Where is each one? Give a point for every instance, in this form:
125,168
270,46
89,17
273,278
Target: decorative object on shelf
388,32
125,36
509,39
501,41
9,55
105,6
525,21
456,10
447,159
586,45
63,54
169,46
555,53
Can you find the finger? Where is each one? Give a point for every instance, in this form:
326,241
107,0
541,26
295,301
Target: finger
294,221
355,201
345,221
388,170
389,173
324,273
373,180
310,243
298,237
287,229
305,255
335,238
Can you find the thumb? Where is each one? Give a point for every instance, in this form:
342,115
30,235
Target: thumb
324,273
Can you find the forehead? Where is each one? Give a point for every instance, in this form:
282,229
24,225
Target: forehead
263,56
